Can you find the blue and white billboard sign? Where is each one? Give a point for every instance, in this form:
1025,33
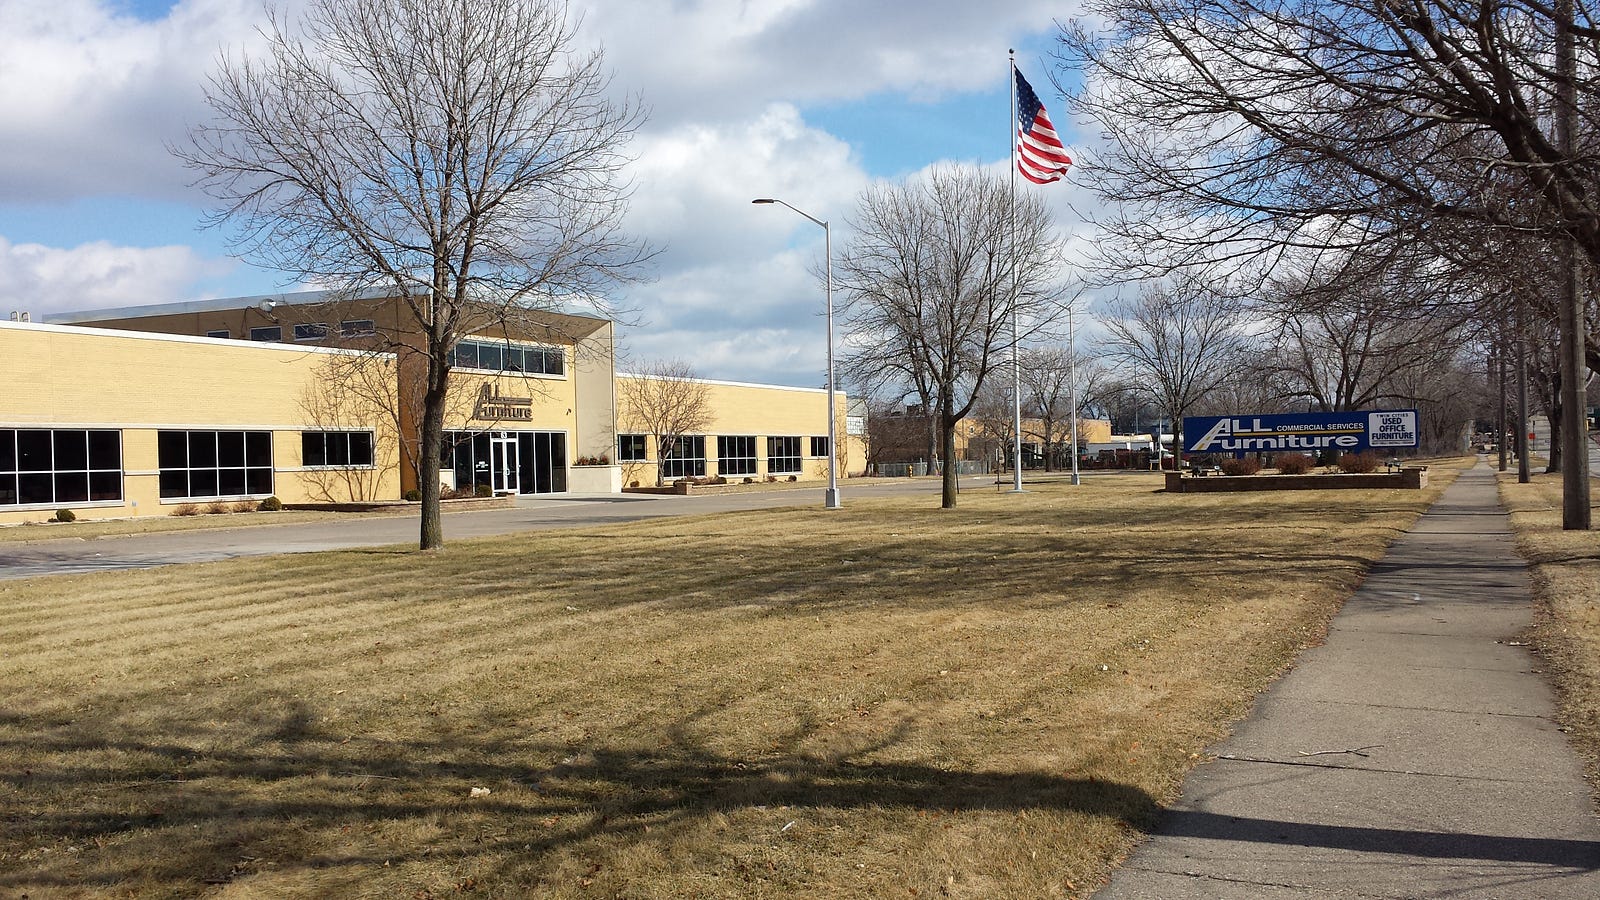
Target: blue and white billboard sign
1349,432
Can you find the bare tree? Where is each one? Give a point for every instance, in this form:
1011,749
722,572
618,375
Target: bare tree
666,400
1241,129
1346,339
938,274
1177,341
465,157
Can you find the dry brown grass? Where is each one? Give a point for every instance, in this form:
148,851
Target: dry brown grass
883,701
1566,573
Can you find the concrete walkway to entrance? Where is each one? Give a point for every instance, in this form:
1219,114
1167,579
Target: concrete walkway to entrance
1412,755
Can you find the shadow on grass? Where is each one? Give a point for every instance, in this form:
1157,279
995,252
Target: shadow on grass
174,817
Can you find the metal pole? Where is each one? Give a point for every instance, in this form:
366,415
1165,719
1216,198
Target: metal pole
1016,364
1072,390
830,497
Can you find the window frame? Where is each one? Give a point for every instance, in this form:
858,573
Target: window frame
818,441
357,328
329,437
221,333
506,352
93,475
778,463
310,331
685,466
258,333
211,445
736,455
634,440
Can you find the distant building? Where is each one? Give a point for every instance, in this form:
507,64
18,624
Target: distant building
142,410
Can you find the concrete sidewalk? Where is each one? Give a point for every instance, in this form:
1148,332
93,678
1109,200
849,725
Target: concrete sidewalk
1412,755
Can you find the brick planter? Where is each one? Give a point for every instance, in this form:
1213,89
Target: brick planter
1409,478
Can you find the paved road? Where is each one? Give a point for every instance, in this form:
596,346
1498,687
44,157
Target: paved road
1412,755
57,557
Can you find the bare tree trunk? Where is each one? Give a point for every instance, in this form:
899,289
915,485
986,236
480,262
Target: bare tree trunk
947,435
1499,365
1573,371
432,528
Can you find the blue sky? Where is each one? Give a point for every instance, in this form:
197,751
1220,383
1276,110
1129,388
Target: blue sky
808,100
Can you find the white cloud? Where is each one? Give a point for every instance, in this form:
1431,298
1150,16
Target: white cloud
89,97
40,279
709,59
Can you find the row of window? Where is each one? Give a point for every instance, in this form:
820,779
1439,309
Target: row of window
309,331
42,465
736,454
67,465
503,356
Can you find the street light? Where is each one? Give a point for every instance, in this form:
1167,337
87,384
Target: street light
830,499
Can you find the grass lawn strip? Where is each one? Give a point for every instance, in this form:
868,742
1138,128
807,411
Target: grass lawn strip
1566,631
884,701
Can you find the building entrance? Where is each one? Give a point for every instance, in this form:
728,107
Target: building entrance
508,462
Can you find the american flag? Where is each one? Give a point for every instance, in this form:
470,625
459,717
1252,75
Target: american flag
1040,156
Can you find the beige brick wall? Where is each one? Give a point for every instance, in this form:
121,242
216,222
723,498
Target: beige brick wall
759,410
68,378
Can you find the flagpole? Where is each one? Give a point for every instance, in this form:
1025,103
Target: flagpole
1016,364
1072,389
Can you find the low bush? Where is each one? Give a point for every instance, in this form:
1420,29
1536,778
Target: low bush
749,480
483,490
1359,463
271,504
412,496
1296,464
216,508
66,515
188,509
794,478
243,506
1247,466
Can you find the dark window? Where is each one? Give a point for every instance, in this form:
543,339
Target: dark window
783,455
33,451
736,455
311,331
336,448
356,327
819,446
63,465
630,448
266,333
499,356
219,333
199,464
687,459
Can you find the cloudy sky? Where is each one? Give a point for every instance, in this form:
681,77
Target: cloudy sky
807,100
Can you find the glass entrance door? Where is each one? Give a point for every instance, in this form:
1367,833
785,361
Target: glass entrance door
503,462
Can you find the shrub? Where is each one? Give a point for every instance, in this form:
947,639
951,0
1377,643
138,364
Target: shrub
412,496
271,504
1359,463
1247,466
794,478
66,515
1296,464
633,484
604,460
216,508
483,490
749,480
242,506
186,509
